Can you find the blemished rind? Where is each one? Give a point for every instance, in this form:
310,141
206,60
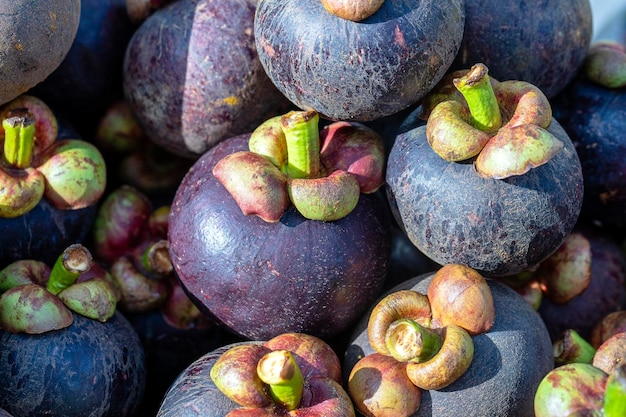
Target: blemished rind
357,71
496,226
35,37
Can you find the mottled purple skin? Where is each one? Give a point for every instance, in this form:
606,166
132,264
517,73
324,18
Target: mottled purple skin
542,42
357,71
87,369
499,227
606,291
262,279
35,37
193,77
595,119
508,364
89,78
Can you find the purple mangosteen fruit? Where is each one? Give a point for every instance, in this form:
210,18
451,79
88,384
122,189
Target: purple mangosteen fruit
50,183
89,78
583,281
592,110
260,264
35,38
490,180
87,369
357,70
291,374
64,349
541,42
493,369
192,76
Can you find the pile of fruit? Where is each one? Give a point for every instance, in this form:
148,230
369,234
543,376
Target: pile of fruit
388,208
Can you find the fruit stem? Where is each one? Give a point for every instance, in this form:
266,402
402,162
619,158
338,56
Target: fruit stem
407,341
481,100
75,260
303,143
571,348
155,259
280,371
19,138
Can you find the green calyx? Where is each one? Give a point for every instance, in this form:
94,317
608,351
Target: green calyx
37,299
283,167
471,125
408,341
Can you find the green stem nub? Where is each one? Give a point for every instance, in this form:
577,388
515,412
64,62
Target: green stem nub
155,259
572,348
475,87
75,260
279,370
19,138
303,143
407,340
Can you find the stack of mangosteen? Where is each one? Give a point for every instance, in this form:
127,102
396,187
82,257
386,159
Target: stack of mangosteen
338,208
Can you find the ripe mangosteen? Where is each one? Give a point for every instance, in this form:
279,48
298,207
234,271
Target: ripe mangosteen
192,75
234,379
35,38
605,282
262,271
357,70
509,360
488,202
593,113
50,180
87,369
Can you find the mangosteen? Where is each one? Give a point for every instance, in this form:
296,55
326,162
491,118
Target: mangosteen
490,180
593,114
51,183
541,42
64,349
261,265
603,290
509,359
292,374
357,70
87,369
36,37
192,76
89,78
